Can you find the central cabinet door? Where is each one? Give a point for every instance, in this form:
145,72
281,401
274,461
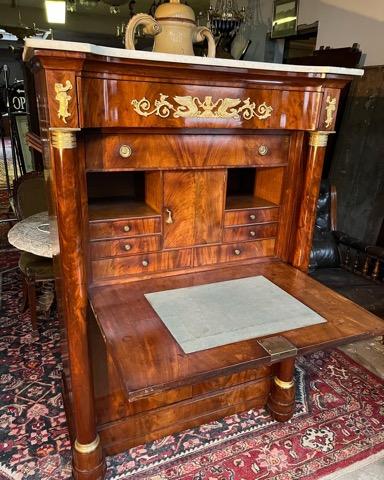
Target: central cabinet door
193,207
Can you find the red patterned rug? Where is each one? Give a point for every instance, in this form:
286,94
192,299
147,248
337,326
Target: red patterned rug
338,423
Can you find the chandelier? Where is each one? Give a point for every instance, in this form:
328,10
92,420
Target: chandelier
225,17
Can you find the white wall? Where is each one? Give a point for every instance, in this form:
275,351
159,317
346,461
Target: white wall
344,22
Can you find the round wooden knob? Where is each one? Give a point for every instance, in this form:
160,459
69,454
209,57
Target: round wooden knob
145,263
252,233
237,251
263,150
125,151
127,247
126,228
252,216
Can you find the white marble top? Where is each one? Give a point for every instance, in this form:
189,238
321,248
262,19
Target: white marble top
32,43
32,235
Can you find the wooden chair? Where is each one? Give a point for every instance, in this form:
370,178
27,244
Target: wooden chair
29,197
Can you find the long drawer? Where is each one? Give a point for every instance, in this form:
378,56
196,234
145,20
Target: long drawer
234,252
121,247
251,215
141,264
128,151
250,232
124,228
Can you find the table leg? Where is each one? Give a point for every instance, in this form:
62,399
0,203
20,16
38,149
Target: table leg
281,402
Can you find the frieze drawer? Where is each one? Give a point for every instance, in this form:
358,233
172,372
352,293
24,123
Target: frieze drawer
126,151
250,232
121,247
141,264
124,228
250,216
161,104
234,252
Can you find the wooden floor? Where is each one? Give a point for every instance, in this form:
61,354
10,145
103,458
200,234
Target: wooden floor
149,360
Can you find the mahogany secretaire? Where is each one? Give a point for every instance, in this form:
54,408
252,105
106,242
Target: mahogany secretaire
165,172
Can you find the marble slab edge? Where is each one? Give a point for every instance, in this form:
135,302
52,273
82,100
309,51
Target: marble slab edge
32,43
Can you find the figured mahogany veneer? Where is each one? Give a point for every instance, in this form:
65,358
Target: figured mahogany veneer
126,246
146,263
303,107
125,228
250,232
234,252
148,196
184,151
251,215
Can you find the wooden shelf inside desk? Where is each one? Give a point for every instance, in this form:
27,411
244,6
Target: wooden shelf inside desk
118,208
240,202
148,359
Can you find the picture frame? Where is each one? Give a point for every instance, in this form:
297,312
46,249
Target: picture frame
285,18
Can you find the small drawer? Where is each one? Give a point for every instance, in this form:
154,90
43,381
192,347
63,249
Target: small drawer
131,246
124,228
251,215
250,232
141,264
234,252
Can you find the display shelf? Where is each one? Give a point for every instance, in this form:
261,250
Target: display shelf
239,202
118,208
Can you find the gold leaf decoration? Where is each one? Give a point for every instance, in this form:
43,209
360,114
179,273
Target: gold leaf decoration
193,107
330,109
63,98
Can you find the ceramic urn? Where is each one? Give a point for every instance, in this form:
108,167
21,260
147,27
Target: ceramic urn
174,30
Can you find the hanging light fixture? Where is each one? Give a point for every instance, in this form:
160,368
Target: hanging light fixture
56,10
225,17
114,5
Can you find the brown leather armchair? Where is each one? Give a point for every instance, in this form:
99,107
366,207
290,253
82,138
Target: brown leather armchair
343,263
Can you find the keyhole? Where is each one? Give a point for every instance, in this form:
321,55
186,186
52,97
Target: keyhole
169,218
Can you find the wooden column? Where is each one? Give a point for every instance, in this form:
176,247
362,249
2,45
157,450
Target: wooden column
281,402
303,243
88,461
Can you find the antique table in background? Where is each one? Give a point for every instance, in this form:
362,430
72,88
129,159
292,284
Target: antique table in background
32,235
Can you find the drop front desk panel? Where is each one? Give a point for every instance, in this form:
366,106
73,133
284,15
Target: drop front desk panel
166,174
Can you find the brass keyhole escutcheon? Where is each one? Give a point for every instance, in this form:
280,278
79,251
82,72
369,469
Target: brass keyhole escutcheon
169,218
145,263
252,233
237,251
127,247
263,150
125,151
126,228
252,216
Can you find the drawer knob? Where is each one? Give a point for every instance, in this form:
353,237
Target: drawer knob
126,228
125,151
252,233
127,247
263,150
237,251
145,263
252,216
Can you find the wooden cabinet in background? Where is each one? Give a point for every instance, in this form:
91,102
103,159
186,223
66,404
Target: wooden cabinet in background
166,175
